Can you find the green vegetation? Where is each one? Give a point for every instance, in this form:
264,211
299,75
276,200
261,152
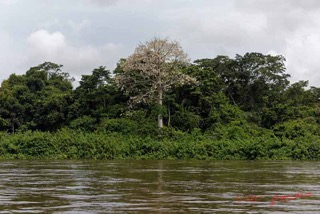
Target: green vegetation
224,108
70,144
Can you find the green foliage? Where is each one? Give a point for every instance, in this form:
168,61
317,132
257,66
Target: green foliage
242,108
293,129
134,123
85,123
123,125
37,100
97,96
71,144
186,120
249,81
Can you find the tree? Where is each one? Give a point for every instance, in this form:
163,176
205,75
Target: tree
97,96
51,91
260,81
37,100
153,69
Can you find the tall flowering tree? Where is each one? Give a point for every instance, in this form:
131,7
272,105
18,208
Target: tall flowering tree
152,70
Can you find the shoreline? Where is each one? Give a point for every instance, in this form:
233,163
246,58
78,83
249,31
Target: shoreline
70,144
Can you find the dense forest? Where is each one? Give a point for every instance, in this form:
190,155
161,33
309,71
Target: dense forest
222,108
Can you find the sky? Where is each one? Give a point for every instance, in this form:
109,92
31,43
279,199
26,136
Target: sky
85,34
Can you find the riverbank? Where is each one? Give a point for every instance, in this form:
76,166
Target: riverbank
71,144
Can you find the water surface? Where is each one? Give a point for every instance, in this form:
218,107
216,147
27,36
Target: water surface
158,186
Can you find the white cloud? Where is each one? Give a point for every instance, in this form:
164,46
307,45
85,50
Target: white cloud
77,27
210,31
287,27
8,2
84,34
292,25
5,42
113,2
46,46
103,2
302,52
10,56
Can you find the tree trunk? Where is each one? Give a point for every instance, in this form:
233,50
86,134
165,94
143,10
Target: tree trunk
160,120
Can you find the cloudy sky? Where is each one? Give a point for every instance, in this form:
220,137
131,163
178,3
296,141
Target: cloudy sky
84,34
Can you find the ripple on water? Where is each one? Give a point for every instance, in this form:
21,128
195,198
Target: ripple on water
156,186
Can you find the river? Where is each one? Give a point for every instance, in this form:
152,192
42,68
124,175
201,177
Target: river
159,187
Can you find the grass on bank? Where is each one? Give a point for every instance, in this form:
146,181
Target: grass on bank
73,144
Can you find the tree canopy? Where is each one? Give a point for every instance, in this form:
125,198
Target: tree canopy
152,70
158,86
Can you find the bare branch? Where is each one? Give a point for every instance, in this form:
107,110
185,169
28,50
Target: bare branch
153,69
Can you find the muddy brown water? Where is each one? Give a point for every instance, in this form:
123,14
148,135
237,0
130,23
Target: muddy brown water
159,187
